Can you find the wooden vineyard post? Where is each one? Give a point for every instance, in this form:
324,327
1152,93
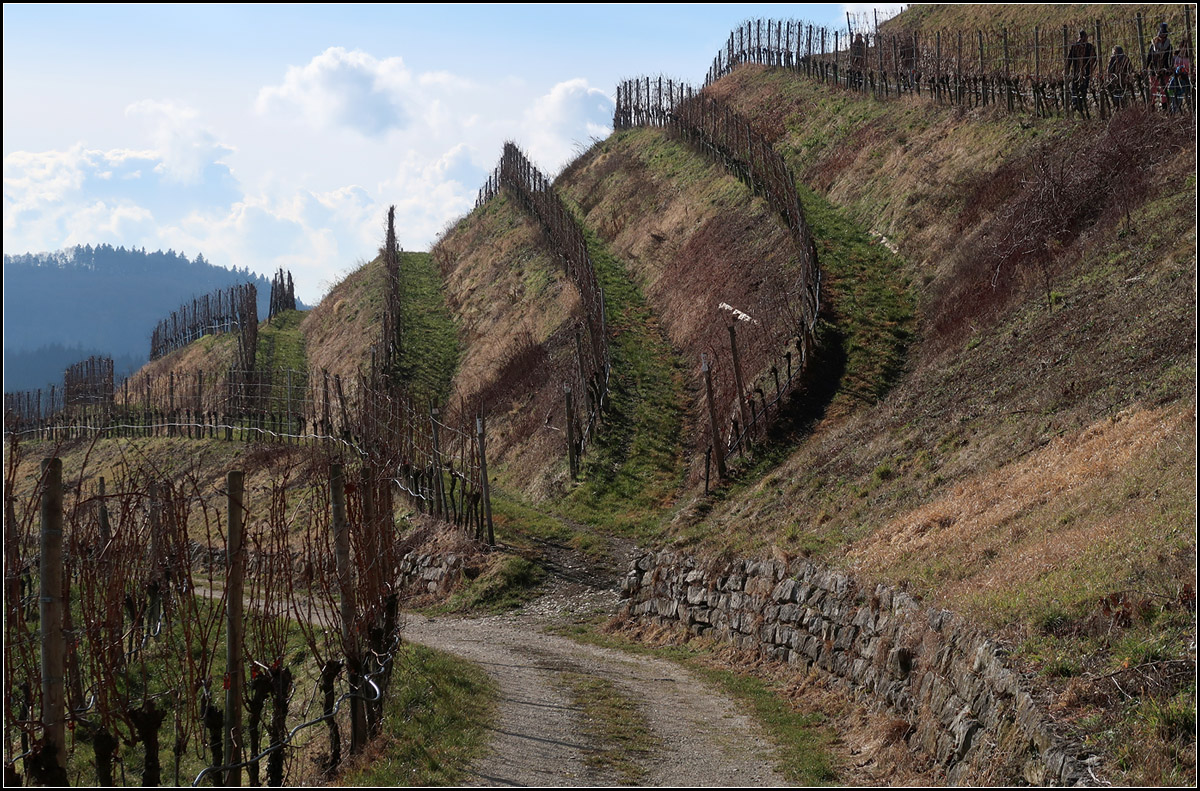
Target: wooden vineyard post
582,377
328,424
171,405
572,460
1007,72
836,46
439,505
105,530
337,384
737,376
717,443
1068,105
1037,73
341,544
290,427
982,73
235,566
1101,104
1142,40
483,478
50,612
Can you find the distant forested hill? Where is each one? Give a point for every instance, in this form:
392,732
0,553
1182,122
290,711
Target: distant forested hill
97,300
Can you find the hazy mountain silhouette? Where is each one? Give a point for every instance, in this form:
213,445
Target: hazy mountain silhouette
98,300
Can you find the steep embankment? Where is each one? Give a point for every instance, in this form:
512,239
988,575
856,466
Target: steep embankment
694,239
340,329
1012,352
517,314
1033,468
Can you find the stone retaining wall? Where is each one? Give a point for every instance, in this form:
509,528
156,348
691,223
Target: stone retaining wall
966,709
430,572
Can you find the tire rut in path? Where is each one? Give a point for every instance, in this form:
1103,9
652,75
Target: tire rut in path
538,737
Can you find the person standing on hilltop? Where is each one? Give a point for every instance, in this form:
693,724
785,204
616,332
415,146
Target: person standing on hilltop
858,60
1180,86
1081,58
1158,63
1120,77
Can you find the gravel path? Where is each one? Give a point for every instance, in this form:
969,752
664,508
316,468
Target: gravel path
538,738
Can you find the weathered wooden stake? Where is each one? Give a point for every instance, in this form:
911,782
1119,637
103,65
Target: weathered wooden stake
718,442
439,507
737,375
235,568
483,476
51,623
571,458
341,543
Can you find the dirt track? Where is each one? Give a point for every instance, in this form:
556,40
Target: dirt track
538,736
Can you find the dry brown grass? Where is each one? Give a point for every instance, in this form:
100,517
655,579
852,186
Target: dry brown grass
517,313
210,354
339,331
1034,525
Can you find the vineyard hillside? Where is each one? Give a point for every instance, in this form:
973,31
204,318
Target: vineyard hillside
996,416
1009,435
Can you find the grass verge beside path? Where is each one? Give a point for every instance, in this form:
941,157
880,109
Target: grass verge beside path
435,725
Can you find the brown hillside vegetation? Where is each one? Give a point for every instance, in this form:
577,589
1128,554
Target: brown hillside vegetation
210,353
695,238
518,313
1037,459
340,330
930,17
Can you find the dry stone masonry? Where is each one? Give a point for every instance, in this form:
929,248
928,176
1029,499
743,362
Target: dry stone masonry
966,708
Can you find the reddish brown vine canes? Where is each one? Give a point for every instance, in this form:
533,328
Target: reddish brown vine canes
89,381
220,311
283,294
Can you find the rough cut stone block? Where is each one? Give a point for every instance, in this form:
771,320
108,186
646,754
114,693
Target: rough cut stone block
784,591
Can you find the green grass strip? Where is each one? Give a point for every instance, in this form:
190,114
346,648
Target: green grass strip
435,724
619,737
635,465
801,739
429,338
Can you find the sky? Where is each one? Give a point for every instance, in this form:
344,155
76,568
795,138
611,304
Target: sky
277,136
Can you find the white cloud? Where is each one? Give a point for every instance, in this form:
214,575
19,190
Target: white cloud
183,146
271,201
429,192
102,220
32,180
344,88
865,14
563,120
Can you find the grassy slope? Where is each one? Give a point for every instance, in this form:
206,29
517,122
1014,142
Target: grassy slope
693,237
340,329
633,469
430,345
1036,456
435,723
929,17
